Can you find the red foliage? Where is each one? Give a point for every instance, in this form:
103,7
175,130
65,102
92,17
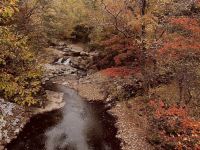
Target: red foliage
118,59
124,58
176,126
119,71
187,23
173,123
183,41
119,43
180,44
123,47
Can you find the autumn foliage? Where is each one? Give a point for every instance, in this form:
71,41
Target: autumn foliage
174,128
119,71
155,42
125,49
183,37
20,75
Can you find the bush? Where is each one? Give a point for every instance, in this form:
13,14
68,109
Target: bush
174,127
19,73
81,33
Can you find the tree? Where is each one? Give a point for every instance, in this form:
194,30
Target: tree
19,73
29,22
140,21
145,22
62,16
180,51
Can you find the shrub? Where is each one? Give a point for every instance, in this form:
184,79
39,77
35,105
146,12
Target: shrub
19,73
174,127
81,33
119,71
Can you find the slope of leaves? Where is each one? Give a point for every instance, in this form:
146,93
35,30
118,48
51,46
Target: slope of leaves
7,10
125,49
183,37
173,127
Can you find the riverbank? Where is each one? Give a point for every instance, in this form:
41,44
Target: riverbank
99,87
68,65
78,125
132,127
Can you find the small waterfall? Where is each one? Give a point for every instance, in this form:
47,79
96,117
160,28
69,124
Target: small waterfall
59,61
67,62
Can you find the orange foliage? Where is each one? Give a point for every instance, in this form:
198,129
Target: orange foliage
176,43
118,43
187,23
176,126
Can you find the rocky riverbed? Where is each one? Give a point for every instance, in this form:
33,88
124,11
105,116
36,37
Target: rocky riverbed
98,87
72,66
79,125
65,62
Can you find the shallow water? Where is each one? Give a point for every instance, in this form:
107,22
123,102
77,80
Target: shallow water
80,125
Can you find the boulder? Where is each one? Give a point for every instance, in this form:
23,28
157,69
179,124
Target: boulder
12,119
62,43
55,101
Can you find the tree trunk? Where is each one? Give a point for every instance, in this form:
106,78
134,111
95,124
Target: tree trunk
143,48
181,90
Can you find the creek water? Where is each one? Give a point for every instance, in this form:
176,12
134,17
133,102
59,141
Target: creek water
80,125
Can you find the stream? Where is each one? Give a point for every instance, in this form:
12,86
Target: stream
80,125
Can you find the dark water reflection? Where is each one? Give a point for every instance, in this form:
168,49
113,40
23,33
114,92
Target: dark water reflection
78,126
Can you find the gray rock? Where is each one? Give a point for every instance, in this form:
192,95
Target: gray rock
55,101
12,117
61,43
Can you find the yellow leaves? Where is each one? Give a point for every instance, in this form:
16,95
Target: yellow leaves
7,12
19,73
149,18
21,90
27,100
114,6
9,88
8,8
34,74
2,61
66,15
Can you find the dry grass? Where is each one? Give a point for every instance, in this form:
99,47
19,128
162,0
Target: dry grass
47,55
169,93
